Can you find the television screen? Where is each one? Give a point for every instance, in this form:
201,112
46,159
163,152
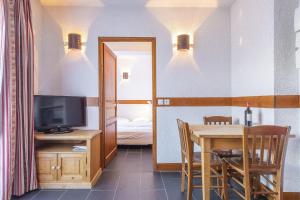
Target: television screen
52,112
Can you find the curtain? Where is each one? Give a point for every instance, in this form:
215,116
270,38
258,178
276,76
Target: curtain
18,172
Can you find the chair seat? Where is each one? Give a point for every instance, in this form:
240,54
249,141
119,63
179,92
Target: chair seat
227,153
238,165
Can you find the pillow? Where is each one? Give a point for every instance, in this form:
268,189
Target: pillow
122,120
141,119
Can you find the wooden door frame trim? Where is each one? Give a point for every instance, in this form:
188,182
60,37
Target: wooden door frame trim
101,41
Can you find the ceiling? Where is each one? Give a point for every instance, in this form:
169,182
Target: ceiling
147,3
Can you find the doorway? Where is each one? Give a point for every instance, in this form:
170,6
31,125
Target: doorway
109,75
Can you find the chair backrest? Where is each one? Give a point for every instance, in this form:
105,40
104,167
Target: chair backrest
266,147
185,141
217,120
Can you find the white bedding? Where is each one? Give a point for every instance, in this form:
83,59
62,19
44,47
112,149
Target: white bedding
134,133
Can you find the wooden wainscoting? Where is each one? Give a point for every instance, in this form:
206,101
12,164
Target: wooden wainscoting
291,195
169,166
254,101
92,101
287,101
197,101
277,101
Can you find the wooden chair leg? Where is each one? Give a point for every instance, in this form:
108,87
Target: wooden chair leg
183,177
225,182
247,186
278,187
190,185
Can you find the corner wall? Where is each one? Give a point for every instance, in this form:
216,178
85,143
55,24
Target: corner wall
287,83
263,63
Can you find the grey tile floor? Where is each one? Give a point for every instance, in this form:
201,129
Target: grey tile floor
128,177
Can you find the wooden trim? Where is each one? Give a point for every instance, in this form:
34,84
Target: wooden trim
92,101
254,101
278,101
291,195
201,101
110,156
134,101
169,166
101,41
287,101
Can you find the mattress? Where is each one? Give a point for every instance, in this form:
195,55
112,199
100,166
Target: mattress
134,133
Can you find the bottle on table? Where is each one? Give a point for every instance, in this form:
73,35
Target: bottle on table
248,116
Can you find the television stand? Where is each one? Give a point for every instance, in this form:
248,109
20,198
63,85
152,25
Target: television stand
58,130
61,166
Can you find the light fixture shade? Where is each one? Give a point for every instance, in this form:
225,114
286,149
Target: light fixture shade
183,42
74,41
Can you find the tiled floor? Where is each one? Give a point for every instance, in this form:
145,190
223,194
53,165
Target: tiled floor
128,177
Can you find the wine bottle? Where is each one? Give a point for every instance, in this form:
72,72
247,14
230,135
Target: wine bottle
248,116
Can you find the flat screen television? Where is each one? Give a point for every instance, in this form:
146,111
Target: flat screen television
59,113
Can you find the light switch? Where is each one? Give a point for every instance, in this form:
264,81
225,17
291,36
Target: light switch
160,102
167,102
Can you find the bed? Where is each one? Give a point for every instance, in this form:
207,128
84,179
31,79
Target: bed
135,132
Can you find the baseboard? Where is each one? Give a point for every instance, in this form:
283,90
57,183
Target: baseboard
110,156
291,195
96,177
168,166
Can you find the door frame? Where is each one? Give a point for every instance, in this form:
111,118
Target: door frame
101,41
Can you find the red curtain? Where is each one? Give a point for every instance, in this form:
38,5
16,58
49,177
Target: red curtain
18,170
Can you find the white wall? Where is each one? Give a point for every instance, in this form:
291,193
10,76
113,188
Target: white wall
287,83
139,67
138,86
198,74
37,20
252,48
252,55
263,63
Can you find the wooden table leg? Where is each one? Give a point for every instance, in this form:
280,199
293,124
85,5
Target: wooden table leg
205,157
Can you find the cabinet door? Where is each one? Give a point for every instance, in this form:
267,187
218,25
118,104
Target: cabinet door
71,167
46,167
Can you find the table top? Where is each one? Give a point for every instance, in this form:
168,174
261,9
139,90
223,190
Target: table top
75,135
219,131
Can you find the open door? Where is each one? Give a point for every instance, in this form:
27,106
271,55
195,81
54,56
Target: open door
109,103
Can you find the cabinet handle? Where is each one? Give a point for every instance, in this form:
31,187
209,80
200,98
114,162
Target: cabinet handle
58,167
53,167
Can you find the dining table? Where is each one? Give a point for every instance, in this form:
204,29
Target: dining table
210,137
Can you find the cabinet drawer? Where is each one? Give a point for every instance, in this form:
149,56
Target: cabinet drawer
71,167
46,167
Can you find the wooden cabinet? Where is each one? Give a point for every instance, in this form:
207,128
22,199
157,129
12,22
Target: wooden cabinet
59,166
46,164
73,167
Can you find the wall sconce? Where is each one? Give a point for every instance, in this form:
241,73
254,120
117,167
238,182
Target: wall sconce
74,41
125,75
183,42
297,31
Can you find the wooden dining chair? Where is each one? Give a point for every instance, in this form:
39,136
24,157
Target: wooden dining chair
221,120
191,167
264,150
217,120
